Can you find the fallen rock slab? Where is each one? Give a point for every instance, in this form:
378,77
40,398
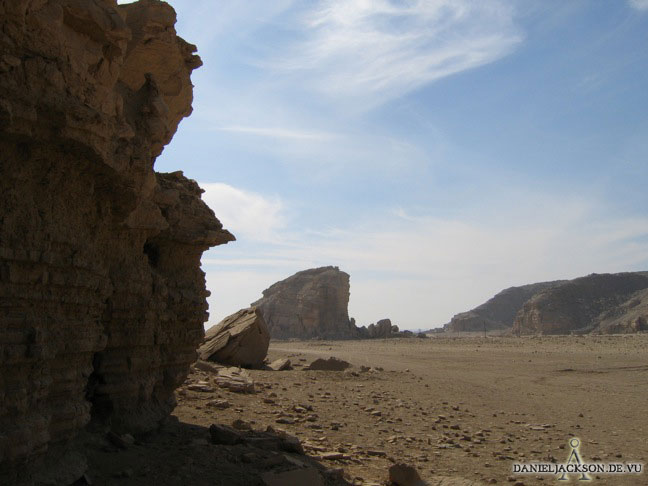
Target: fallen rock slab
331,364
207,366
241,339
280,364
236,380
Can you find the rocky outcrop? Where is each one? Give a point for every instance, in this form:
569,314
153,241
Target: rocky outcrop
629,317
581,305
102,300
310,304
497,313
383,329
241,339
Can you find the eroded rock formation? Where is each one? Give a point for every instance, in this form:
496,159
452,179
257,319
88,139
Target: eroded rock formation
102,300
310,304
497,313
629,317
582,304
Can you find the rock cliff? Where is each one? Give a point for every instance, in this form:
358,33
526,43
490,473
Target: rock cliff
497,313
102,300
310,304
582,304
629,317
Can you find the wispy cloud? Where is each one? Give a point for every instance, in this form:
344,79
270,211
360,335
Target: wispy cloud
639,4
381,49
248,215
277,132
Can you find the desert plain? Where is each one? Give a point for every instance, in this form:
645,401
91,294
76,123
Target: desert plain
461,410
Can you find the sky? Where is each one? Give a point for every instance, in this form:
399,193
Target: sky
438,151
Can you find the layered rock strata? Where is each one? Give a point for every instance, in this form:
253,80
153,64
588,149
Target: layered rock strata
241,339
583,304
310,304
102,300
497,313
629,317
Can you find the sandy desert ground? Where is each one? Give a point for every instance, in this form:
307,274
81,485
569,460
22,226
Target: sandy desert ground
451,407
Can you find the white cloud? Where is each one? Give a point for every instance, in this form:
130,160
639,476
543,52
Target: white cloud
639,4
381,49
246,214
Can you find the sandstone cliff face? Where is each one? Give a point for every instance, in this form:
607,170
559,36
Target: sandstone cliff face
310,304
498,312
102,300
578,305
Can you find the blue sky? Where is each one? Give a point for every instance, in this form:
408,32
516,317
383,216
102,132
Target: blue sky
438,151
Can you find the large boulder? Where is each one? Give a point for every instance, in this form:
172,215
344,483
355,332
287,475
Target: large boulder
310,304
102,299
241,339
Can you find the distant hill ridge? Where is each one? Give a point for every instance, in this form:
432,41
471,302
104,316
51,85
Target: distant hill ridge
582,305
605,303
498,312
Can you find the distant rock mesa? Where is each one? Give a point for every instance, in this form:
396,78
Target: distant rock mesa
102,300
308,305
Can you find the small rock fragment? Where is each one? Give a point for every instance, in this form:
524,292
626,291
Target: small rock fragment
280,364
405,475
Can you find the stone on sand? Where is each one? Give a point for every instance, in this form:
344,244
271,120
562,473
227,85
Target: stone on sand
331,364
236,380
280,364
405,475
241,339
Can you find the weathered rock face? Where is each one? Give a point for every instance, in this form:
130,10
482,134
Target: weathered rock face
241,339
102,299
580,304
498,312
310,304
629,317
381,330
